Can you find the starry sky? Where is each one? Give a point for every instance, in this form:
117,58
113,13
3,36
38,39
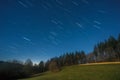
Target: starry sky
41,29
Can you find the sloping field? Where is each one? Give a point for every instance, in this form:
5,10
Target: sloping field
101,63
106,71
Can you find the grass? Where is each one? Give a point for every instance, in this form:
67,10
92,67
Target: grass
83,72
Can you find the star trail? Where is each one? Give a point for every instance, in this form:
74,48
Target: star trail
41,29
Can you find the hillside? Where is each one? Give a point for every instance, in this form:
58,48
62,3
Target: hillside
83,72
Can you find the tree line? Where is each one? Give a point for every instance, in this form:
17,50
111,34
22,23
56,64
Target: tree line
16,69
108,50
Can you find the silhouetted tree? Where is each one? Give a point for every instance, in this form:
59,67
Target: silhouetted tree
82,57
95,52
28,67
41,66
47,65
36,69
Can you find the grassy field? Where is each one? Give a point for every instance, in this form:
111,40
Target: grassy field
83,72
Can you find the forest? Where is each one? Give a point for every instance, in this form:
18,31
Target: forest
105,51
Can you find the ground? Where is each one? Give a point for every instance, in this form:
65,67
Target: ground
93,71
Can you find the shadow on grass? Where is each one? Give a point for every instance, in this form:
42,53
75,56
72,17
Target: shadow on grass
34,75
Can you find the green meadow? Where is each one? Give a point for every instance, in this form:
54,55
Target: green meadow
82,72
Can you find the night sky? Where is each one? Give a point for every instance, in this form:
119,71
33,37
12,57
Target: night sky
41,29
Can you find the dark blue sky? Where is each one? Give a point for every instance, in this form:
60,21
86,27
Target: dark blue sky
41,29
